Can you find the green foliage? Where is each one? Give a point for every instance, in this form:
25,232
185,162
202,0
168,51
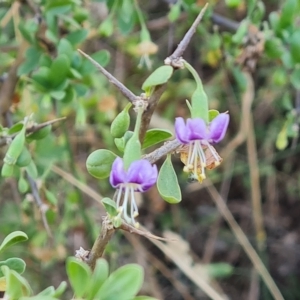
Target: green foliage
55,80
125,281
155,136
121,123
160,76
99,163
13,238
167,182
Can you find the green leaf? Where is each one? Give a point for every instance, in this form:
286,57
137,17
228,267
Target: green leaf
121,123
144,298
15,148
32,170
7,170
174,12
160,76
106,28
233,3
60,289
79,275
49,291
39,297
99,163
282,140
167,182
24,158
121,142
241,32
295,78
70,95
212,113
31,62
78,36
126,18
110,206
15,128
287,13
59,70
16,285
39,134
219,270
13,238
125,281
155,136
274,48
65,47
23,185
295,46
99,276
14,263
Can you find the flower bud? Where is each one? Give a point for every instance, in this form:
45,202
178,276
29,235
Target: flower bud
15,148
40,134
24,159
121,123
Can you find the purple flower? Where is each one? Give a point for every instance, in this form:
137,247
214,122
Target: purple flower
198,136
196,129
139,177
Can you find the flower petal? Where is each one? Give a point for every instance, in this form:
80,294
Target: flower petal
117,174
218,127
143,173
197,129
181,131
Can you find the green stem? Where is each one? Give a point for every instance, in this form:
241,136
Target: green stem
145,36
194,73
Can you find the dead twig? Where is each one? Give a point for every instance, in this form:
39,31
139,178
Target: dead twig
244,242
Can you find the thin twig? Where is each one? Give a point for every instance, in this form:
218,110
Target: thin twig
168,147
244,242
152,104
31,129
41,206
225,22
120,86
188,36
254,176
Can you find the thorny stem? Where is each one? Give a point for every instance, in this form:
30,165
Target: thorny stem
188,36
102,240
31,129
120,86
107,231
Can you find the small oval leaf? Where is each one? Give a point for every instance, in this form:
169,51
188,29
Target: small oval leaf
155,136
13,238
160,76
212,113
79,275
14,263
99,163
110,206
99,276
125,281
167,182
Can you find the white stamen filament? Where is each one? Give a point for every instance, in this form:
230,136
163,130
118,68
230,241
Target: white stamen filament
128,199
195,154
